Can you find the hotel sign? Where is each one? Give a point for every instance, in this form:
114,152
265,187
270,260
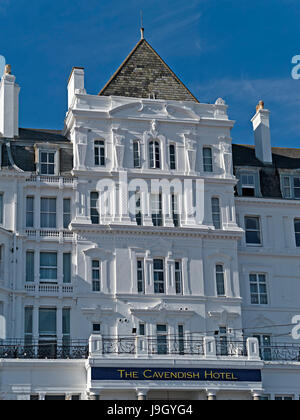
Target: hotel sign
170,374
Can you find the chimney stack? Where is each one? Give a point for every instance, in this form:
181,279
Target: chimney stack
75,84
262,135
9,105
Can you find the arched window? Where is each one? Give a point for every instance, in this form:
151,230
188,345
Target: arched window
216,212
154,155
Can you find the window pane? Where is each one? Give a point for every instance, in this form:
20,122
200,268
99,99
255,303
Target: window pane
30,266
47,321
172,151
28,320
67,267
252,223
1,208
158,264
66,321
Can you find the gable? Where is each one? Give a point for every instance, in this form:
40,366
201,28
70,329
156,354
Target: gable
144,74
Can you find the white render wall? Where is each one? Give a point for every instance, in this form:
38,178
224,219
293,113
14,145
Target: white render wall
118,242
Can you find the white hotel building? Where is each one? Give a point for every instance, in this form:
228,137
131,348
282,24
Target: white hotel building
151,304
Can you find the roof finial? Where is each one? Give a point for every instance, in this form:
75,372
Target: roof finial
142,26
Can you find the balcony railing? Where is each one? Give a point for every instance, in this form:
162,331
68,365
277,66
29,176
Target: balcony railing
19,349
152,346
281,353
49,234
232,348
49,289
143,346
44,179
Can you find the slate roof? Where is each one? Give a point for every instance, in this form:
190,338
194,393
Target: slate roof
144,73
23,152
283,159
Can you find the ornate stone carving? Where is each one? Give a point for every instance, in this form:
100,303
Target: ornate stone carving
226,152
154,128
191,150
81,141
119,138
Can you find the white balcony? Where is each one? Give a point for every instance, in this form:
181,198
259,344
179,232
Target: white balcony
49,234
33,289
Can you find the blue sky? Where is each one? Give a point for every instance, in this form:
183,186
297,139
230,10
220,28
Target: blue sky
236,49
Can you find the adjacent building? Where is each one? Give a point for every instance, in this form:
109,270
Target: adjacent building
142,254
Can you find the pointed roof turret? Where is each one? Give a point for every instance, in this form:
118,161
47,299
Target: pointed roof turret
144,74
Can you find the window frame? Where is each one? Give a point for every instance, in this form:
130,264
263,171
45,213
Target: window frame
1,208
173,157
178,272
264,349
207,167
30,212
99,153
162,344
175,208
249,186
66,213
95,208
157,212
223,284
48,213
48,267
55,162
96,280
290,187
216,215
32,270
259,294
140,270
155,155
137,158
251,244
68,280
159,285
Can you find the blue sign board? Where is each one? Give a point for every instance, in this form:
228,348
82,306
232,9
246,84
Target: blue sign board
170,374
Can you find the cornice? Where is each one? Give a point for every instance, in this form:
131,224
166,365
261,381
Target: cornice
154,231
267,201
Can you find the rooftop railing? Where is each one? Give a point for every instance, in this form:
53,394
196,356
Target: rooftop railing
20,349
161,346
281,353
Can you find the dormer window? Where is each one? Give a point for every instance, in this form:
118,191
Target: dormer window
47,162
248,184
291,187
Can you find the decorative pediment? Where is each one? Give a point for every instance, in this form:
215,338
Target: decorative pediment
223,316
96,252
164,310
95,313
181,113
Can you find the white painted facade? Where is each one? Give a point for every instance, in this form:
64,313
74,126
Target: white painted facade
127,319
